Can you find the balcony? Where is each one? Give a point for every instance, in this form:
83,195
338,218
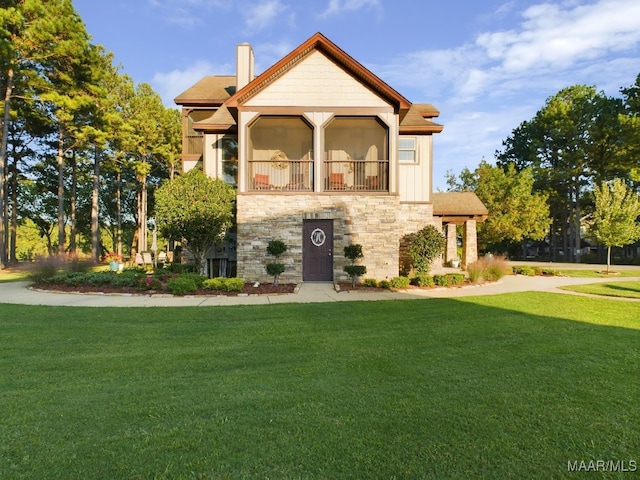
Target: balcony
281,176
339,176
356,175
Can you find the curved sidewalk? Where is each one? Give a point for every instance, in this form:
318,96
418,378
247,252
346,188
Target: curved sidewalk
19,293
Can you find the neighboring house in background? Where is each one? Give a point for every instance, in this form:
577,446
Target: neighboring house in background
323,154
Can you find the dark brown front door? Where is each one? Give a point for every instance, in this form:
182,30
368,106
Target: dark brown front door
317,250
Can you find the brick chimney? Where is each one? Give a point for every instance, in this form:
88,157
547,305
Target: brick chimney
244,65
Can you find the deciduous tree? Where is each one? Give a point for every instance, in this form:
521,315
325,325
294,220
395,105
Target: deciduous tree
615,220
196,208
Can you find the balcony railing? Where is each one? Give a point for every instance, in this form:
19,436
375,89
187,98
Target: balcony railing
356,175
281,175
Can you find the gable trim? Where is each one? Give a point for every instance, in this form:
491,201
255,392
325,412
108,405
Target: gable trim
319,42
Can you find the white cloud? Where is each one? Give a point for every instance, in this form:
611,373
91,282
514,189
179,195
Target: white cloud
171,84
337,7
261,15
551,35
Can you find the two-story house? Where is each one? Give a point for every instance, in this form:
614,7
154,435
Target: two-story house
323,154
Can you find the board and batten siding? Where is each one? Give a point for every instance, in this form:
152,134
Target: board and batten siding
316,82
415,179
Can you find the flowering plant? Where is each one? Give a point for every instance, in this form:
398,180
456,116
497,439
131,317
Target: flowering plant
113,257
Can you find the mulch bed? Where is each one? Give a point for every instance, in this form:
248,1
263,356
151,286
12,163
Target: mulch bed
249,289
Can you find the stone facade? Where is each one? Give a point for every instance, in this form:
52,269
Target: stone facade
377,222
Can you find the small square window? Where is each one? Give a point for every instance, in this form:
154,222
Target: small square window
407,150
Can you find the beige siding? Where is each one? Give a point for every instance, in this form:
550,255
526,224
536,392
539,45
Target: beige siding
316,81
415,178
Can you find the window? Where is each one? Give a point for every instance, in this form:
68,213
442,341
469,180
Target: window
407,150
229,149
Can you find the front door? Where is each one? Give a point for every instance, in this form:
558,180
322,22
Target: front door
317,251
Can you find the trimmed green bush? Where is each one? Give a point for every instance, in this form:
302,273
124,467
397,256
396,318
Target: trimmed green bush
424,248
399,282
441,280
526,270
370,282
456,278
423,280
384,284
224,284
355,270
182,285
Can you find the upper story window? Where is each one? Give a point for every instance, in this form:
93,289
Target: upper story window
407,150
229,150
356,154
280,154
193,140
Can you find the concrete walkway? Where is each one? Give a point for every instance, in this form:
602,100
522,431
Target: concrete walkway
19,293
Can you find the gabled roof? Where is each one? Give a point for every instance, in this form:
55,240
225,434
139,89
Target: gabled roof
213,90
458,206
319,42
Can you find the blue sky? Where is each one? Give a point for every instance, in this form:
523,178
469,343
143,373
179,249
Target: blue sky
486,65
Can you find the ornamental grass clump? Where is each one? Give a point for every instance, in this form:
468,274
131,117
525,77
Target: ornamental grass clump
488,269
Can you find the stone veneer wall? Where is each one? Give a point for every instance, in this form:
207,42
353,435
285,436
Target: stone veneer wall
377,222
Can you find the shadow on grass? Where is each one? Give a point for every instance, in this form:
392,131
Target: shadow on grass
508,386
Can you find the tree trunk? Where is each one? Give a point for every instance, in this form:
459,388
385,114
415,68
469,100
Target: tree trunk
14,210
119,213
576,221
3,156
72,204
60,160
608,258
95,205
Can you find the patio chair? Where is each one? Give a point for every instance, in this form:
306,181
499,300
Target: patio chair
336,181
147,259
261,182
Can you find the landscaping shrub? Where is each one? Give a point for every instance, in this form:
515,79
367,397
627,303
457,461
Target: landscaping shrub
399,282
45,268
370,282
180,268
487,268
149,283
456,278
196,277
424,247
384,284
224,284
526,270
422,280
441,280
182,285
128,278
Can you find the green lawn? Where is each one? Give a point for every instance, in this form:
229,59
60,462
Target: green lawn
511,386
614,289
597,272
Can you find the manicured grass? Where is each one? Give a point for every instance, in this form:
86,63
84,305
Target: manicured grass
596,272
614,289
511,386
13,276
